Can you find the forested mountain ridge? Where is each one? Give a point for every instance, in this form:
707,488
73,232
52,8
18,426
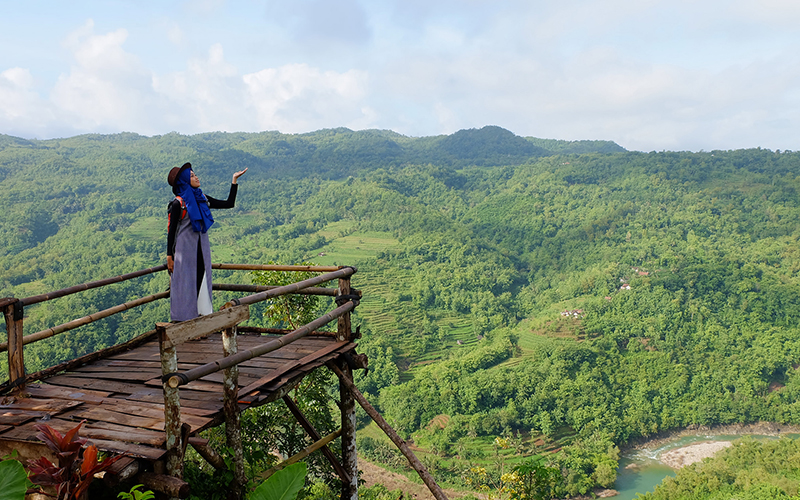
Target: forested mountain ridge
681,270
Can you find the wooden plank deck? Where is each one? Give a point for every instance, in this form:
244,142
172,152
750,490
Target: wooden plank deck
121,400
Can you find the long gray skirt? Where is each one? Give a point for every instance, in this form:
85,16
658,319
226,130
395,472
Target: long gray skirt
190,285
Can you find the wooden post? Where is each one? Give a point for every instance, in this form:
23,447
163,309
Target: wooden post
349,458
348,405
14,313
230,382
415,463
343,330
172,406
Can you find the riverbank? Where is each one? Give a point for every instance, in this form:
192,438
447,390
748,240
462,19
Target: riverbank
687,455
645,463
757,428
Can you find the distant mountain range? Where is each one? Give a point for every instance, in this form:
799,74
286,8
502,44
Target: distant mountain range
335,153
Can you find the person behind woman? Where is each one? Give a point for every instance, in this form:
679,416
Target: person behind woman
188,250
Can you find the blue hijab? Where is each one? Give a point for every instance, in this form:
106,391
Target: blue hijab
195,200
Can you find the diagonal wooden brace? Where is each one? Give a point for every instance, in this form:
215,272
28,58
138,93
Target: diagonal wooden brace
311,431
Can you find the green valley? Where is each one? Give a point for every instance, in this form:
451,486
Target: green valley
522,297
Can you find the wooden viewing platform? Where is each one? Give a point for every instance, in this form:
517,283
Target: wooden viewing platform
122,401
149,398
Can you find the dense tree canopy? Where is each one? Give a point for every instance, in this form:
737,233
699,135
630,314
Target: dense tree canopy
678,272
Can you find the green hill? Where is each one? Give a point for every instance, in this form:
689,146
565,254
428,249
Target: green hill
677,272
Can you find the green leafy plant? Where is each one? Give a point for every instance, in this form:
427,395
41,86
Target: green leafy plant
14,482
534,479
293,310
135,494
283,485
77,463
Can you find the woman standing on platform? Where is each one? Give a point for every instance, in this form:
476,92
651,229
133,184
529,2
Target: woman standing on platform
188,250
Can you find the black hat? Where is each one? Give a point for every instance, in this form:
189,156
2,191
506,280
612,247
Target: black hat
175,172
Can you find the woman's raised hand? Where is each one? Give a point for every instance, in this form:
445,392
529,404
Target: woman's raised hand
238,174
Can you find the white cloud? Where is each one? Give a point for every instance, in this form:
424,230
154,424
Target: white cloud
651,74
208,96
19,102
107,88
297,97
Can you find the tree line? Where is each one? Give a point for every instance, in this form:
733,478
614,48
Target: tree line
683,265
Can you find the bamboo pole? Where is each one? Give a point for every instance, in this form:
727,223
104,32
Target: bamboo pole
294,287
87,286
178,379
303,454
312,432
7,300
228,287
256,330
276,267
35,337
415,463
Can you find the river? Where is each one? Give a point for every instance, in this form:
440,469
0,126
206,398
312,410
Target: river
640,469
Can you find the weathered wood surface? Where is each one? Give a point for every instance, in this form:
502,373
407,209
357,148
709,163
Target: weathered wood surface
178,333
121,400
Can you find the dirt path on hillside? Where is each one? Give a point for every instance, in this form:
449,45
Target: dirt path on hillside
373,474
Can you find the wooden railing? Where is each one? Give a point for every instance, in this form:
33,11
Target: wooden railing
171,335
14,310
226,320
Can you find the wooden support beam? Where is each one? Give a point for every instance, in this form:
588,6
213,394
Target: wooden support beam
172,408
208,453
343,331
303,454
415,463
168,485
230,407
16,361
347,406
120,471
312,432
178,333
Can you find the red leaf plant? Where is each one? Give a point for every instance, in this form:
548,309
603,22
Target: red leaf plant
77,463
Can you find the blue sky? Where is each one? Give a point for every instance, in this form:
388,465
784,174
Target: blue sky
647,74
